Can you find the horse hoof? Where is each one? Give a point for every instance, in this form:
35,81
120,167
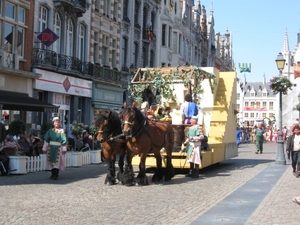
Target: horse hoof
156,179
142,181
110,183
168,178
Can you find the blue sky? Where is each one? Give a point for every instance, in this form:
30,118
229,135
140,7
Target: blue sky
258,28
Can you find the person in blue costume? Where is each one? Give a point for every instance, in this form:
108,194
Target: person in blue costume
55,146
189,109
239,135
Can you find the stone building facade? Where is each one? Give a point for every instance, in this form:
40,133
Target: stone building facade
78,57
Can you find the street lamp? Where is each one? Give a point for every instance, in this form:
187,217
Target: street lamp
280,158
299,104
132,69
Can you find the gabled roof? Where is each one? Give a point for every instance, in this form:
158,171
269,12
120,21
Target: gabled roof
259,88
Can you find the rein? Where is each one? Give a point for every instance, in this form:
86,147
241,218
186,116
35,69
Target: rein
110,137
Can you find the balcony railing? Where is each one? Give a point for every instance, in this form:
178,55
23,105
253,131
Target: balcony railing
77,6
50,60
103,73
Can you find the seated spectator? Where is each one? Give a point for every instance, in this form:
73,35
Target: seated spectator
25,145
88,142
9,142
5,160
78,143
35,143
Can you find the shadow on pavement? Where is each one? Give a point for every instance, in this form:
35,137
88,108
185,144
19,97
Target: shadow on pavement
70,175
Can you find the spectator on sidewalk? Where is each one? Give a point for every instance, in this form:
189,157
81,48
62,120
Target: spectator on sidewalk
259,138
293,148
5,160
71,138
238,136
289,134
25,144
296,200
253,134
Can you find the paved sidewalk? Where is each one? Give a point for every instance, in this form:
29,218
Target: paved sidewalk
80,196
277,207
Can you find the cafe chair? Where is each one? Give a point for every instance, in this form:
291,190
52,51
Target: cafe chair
10,151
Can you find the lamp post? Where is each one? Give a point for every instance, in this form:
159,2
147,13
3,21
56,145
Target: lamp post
299,104
280,158
131,69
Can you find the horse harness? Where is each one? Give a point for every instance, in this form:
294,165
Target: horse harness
140,129
111,137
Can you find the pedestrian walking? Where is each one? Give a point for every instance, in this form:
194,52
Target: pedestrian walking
238,136
296,200
259,138
253,134
293,148
55,146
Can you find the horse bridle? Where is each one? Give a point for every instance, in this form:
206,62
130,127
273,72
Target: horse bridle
138,130
110,136
129,123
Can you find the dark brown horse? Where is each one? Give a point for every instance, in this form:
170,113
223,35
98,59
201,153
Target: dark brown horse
144,136
109,126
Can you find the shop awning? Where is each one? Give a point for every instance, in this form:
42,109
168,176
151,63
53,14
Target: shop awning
22,102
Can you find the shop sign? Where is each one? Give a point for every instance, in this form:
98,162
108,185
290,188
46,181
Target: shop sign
47,37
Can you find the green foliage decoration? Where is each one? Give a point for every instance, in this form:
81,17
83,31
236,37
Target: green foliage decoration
17,127
92,130
77,129
164,83
45,127
297,107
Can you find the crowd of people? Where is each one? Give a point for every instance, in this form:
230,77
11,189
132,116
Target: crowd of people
22,144
248,134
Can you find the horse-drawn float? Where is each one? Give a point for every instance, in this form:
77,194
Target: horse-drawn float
215,95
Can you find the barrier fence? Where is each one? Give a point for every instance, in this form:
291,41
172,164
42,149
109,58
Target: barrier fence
25,164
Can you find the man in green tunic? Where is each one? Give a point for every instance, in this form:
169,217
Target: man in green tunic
259,138
55,146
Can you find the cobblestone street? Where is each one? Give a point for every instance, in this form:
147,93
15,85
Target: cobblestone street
80,196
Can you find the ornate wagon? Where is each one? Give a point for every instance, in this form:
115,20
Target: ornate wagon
214,95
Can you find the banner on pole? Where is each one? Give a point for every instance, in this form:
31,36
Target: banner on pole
245,67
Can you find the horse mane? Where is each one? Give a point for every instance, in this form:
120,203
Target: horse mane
113,121
139,115
100,120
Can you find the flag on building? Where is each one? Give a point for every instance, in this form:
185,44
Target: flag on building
245,67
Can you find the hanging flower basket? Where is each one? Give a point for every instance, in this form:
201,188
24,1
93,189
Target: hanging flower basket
280,84
297,107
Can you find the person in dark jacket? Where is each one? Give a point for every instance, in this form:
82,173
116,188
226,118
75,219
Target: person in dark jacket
5,160
293,148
